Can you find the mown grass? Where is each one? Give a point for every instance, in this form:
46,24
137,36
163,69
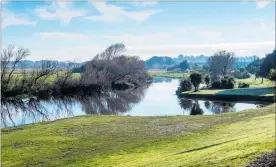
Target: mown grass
232,139
238,91
251,81
256,83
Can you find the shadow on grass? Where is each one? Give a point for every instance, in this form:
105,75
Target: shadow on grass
247,91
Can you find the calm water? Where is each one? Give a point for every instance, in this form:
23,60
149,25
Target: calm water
158,99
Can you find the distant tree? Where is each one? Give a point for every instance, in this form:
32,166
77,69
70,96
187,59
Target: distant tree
184,65
196,79
180,57
207,80
254,67
267,64
158,62
195,67
221,63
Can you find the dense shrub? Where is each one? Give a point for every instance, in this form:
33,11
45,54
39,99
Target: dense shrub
224,83
184,85
243,85
216,84
241,74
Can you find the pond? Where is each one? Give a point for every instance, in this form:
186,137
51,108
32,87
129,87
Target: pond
157,99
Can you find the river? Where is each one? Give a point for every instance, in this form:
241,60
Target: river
158,99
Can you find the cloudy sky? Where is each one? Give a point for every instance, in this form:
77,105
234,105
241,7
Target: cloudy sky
79,30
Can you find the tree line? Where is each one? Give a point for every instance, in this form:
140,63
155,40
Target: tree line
109,69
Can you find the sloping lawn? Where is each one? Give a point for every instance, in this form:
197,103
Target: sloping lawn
232,139
256,83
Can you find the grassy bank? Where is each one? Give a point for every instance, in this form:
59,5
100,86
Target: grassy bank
233,139
251,81
238,91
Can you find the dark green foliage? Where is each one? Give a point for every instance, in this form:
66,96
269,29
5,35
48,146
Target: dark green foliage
272,75
78,69
207,80
158,62
216,84
184,85
196,110
196,79
241,74
225,83
268,63
243,85
184,65
254,67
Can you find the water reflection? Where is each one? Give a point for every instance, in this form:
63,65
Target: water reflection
158,99
198,107
24,111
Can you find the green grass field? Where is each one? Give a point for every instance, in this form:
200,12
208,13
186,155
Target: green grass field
231,139
238,91
251,81
164,73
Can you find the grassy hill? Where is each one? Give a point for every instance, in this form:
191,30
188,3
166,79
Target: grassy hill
232,139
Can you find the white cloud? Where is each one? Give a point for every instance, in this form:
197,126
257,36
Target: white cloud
12,19
62,11
262,4
258,48
210,34
139,39
61,35
87,52
112,13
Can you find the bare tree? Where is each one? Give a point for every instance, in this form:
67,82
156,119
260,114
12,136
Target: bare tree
111,67
221,63
10,57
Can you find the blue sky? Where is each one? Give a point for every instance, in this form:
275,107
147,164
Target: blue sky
77,31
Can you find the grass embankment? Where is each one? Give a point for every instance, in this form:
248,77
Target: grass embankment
232,139
238,92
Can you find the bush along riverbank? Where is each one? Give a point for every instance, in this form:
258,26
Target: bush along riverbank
109,69
223,89
247,94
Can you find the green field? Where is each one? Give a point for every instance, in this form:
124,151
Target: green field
231,139
251,81
238,91
164,73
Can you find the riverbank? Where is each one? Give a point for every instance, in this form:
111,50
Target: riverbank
254,83
240,94
233,139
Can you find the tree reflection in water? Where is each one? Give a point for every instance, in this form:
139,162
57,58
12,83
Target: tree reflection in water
191,105
222,107
52,108
195,108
